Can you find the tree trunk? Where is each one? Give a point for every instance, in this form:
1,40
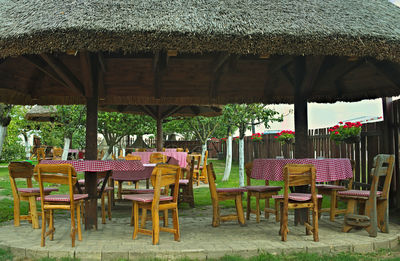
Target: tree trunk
27,147
3,132
241,162
203,150
108,152
67,143
228,161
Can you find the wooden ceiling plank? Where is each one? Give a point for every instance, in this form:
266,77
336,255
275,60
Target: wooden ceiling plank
42,66
68,77
160,67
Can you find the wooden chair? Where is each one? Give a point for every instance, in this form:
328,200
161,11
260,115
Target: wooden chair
59,174
121,154
375,213
24,170
222,194
157,157
332,190
298,175
259,192
179,149
120,191
186,181
41,154
201,175
57,153
100,154
140,149
162,176
132,157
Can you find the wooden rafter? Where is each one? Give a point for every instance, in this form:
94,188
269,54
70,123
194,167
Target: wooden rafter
64,73
170,111
388,70
149,111
160,64
313,65
275,66
121,108
87,72
42,66
102,68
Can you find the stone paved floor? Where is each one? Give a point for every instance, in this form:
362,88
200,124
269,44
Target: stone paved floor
199,239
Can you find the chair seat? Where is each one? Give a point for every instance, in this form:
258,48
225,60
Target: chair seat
145,198
36,190
82,182
139,191
263,188
63,198
357,193
183,181
331,187
297,196
231,190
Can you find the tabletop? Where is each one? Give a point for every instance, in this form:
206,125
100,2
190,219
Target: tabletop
179,156
100,165
327,169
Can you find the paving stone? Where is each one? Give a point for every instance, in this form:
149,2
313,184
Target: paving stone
381,245
393,242
363,248
36,253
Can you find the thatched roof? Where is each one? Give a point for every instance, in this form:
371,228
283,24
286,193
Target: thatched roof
283,27
165,111
185,52
41,113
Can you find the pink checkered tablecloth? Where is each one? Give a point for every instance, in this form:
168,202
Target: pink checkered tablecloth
180,156
100,165
134,175
327,169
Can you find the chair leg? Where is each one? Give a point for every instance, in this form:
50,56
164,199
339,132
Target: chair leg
109,204
308,231
383,215
248,207
165,217
216,216
16,213
133,214
351,209
103,212
284,222
119,192
266,213
135,208
73,227
78,217
51,224
258,209
239,209
155,226
144,218
175,222
43,238
277,216
315,223
33,212
332,211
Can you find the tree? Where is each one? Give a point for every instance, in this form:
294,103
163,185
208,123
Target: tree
5,120
243,116
114,126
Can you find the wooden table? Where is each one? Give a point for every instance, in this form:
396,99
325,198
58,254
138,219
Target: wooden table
91,168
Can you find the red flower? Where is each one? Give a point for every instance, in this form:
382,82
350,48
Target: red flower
340,122
336,132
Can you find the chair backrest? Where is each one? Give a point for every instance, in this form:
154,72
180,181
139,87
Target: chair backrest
383,166
157,157
57,153
100,154
211,182
179,150
20,170
164,175
186,150
197,159
205,159
40,154
248,167
140,150
132,157
299,175
64,174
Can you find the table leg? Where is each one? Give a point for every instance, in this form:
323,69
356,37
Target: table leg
91,203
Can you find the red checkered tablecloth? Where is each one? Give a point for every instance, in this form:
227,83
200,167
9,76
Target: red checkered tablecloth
100,165
327,169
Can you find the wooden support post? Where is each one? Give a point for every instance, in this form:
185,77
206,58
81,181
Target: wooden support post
159,140
91,154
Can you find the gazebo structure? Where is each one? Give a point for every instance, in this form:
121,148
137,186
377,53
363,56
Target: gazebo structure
41,113
161,112
204,53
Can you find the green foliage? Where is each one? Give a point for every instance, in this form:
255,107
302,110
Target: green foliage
5,255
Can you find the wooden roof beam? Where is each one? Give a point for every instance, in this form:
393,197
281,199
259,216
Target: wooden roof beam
42,66
64,73
149,111
217,69
195,110
121,108
313,65
170,111
274,67
388,70
102,68
88,71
